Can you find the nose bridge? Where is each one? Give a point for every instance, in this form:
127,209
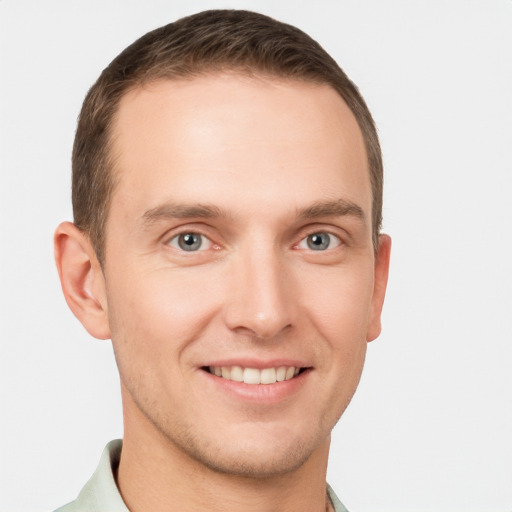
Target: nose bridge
261,295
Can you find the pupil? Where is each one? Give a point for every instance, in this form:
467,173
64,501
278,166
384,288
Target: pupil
318,241
190,242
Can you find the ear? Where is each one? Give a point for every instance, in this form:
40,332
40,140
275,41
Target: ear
379,286
81,279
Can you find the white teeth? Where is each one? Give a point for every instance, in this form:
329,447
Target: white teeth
268,376
237,373
290,372
253,375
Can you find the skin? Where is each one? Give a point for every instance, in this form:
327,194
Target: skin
255,167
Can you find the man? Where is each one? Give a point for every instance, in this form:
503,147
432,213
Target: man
227,195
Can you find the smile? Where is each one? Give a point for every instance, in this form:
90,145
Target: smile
255,375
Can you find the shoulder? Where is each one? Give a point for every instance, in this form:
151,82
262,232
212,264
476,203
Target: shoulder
336,503
100,493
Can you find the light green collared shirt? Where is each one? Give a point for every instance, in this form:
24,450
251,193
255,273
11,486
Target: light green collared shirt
100,493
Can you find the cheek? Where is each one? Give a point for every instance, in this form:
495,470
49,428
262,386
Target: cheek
339,303
153,319
339,311
160,309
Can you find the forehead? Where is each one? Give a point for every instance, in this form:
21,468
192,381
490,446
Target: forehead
238,137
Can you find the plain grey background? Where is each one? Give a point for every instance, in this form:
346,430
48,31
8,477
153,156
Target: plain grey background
430,427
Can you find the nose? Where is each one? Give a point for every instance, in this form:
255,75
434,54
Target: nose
261,295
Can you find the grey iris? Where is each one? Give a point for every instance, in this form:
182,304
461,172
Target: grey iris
189,241
319,241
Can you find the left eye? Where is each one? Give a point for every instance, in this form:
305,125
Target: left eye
190,242
320,241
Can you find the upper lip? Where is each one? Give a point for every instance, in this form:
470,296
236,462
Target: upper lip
258,363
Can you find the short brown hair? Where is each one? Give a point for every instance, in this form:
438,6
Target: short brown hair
207,42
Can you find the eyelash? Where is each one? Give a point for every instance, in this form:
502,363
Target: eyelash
175,241
332,238
304,243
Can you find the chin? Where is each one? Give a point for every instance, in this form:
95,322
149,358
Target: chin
252,463
259,457
256,448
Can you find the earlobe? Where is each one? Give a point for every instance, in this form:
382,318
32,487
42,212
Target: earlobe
81,279
379,288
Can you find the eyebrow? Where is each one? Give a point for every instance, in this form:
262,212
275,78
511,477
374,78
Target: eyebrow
182,211
336,208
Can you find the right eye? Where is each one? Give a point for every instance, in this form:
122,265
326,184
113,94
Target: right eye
190,242
320,241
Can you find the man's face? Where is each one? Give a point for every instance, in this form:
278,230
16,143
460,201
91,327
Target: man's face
239,242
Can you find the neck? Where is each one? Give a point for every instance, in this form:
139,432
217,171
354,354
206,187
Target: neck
156,475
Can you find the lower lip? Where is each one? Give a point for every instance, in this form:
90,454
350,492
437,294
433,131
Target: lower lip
259,393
